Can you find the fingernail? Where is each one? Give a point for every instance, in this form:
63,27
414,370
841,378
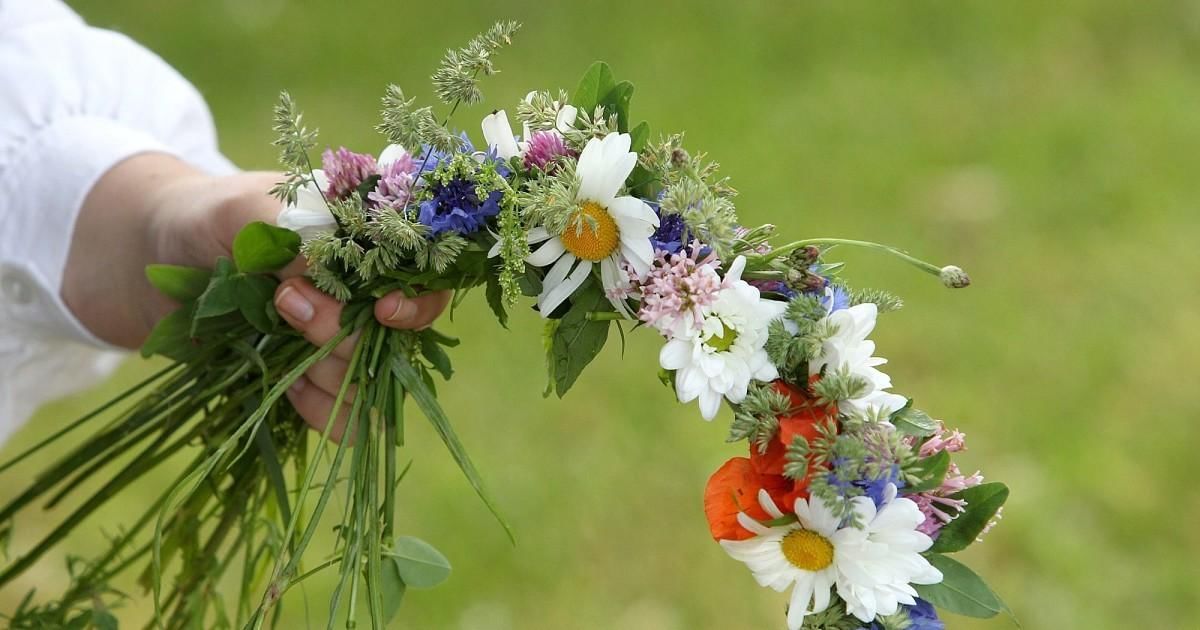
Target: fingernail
299,385
404,310
294,305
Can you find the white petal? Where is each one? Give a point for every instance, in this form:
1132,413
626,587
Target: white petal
537,235
566,289
615,285
798,605
565,121
556,275
603,167
735,270
768,504
547,253
752,525
676,354
710,403
640,255
390,154
637,215
498,134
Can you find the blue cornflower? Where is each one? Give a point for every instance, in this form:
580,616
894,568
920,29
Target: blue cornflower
456,208
921,616
924,617
669,235
836,299
874,488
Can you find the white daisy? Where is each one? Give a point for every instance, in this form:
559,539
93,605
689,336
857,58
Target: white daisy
873,567
309,214
849,350
606,229
726,351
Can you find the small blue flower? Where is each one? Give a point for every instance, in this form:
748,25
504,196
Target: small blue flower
874,488
836,299
456,208
669,235
924,617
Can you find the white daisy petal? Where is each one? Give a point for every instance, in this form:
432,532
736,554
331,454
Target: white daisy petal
547,253
559,294
768,504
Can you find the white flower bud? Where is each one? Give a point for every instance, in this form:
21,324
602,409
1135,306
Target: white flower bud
954,277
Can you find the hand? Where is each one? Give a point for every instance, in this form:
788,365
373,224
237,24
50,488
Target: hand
153,208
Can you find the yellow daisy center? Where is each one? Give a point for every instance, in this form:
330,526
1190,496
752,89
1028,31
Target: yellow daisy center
723,341
807,550
592,233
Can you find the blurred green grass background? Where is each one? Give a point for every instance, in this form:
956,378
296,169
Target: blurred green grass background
1048,148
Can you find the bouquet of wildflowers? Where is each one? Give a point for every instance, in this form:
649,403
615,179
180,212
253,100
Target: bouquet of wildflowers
847,494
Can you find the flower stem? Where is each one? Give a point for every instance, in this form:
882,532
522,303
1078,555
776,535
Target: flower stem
898,253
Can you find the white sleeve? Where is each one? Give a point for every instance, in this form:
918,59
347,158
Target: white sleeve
74,101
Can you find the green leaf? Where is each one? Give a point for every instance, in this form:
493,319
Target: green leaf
577,340
931,470
391,590
495,299
960,591
639,136
638,178
433,352
982,503
182,284
256,301
414,383
263,248
912,421
420,565
616,101
269,455
104,620
595,84
221,296
171,336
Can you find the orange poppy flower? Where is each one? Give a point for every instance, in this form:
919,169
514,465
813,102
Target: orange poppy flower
734,488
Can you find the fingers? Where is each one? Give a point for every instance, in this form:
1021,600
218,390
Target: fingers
315,406
313,313
395,310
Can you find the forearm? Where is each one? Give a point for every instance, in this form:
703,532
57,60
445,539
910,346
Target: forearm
104,283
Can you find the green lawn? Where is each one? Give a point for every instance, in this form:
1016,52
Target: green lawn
1046,147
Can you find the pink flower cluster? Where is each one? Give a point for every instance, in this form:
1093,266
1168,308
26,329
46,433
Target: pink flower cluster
395,183
936,505
545,147
346,171
678,288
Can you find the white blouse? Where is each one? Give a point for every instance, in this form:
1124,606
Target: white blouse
74,101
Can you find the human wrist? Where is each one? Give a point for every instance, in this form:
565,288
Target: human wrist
115,237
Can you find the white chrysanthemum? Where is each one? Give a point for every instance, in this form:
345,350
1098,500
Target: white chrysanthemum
605,229
310,214
873,568
848,350
726,351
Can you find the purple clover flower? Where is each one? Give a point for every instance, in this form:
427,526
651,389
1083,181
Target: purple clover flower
396,181
346,171
545,147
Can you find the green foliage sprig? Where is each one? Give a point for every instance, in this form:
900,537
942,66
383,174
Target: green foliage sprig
456,79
